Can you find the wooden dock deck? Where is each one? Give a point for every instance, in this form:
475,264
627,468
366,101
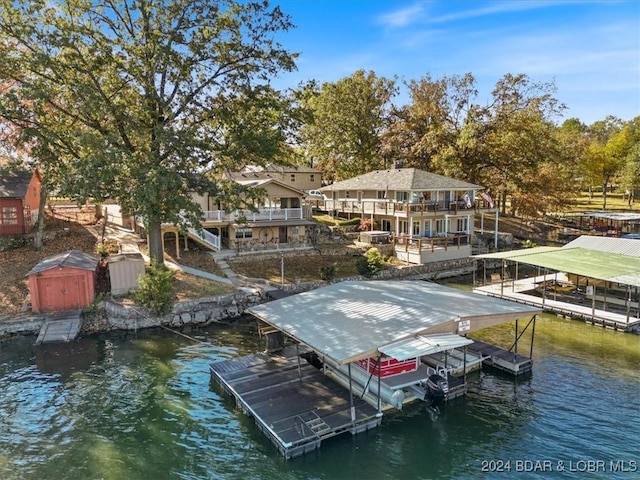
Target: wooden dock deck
517,291
293,403
501,359
61,327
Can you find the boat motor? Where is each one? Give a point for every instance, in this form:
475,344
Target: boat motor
436,391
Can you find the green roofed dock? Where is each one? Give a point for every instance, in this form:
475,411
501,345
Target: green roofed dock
595,279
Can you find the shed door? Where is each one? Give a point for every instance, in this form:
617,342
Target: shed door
62,293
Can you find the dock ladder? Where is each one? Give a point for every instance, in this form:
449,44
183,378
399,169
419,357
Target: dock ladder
316,424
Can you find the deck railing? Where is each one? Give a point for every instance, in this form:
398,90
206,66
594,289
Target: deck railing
451,240
262,215
383,207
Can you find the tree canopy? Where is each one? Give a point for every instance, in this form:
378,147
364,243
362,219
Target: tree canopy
137,99
347,119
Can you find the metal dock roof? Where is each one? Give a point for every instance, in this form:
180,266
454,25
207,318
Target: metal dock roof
352,320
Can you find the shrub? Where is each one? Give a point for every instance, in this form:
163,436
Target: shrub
155,290
328,272
375,260
353,221
362,266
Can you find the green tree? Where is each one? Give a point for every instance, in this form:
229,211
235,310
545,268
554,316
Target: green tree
347,119
610,144
137,99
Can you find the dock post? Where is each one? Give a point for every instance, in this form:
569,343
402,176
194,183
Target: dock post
533,332
379,387
298,357
464,366
515,344
352,408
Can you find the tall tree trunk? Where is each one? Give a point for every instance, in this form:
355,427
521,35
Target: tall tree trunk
38,241
156,252
604,196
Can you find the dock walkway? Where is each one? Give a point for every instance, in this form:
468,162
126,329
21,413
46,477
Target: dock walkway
62,327
516,291
292,402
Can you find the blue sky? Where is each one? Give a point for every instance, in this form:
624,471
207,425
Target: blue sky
591,49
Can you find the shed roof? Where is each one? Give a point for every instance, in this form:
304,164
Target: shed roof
14,183
351,320
405,179
72,259
615,260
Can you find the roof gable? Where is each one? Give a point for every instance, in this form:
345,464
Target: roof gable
72,259
406,179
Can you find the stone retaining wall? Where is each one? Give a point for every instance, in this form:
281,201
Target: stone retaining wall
111,315
198,312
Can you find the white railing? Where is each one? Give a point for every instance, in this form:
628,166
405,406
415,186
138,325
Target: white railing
206,237
262,215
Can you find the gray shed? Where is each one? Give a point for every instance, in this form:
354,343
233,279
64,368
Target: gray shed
124,272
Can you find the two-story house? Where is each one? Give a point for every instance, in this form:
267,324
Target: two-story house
429,217
279,220
296,176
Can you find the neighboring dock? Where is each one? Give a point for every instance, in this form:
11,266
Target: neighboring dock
61,327
520,291
292,402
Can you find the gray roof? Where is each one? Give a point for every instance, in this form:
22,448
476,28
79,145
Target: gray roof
14,183
72,259
621,246
351,320
405,179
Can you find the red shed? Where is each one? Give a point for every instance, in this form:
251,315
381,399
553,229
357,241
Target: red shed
19,200
63,282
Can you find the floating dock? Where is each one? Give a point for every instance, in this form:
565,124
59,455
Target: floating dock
292,402
501,359
62,327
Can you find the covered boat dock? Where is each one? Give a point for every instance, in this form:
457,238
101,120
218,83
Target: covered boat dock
595,279
367,339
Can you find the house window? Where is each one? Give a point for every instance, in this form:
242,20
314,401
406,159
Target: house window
461,225
293,177
386,225
294,230
382,195
416,228
404,227
440,226
9,216
312,177
244,233
347,194
402,196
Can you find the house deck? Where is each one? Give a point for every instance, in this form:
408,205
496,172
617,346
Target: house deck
293,403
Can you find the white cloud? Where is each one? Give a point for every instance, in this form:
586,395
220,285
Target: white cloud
403,17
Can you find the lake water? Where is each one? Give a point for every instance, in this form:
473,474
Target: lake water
141,406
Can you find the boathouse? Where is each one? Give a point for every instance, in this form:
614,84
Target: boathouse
63,282
593,278
365,348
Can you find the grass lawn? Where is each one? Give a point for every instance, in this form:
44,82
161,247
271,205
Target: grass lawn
304,268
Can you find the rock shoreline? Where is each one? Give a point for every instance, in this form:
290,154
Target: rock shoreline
111,315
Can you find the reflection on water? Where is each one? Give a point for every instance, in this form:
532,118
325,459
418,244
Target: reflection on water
143,406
